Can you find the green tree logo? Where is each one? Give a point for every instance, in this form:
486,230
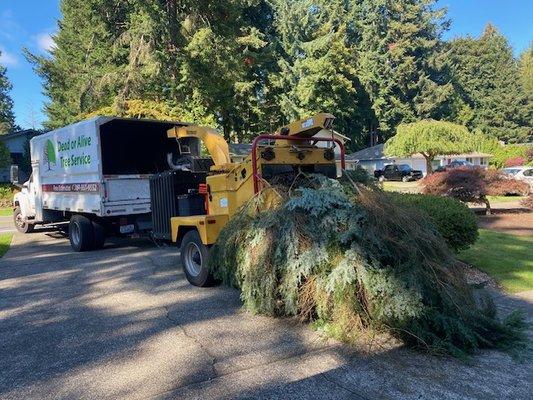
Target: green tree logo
49,154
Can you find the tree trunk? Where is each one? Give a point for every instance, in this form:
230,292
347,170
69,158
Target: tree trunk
429,159
485,201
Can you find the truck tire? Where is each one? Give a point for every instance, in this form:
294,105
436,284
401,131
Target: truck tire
405,179
99,235
194,258
21,225
81,233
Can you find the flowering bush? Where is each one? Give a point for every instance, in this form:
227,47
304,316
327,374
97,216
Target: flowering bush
515,162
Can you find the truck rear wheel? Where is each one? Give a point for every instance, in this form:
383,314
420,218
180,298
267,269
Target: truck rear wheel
194,259
21,225
81,233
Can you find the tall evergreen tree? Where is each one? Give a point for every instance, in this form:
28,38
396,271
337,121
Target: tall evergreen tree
526,70
200,59
317,64
7,117
490,95
399,45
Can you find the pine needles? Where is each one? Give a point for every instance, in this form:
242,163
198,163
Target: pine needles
355,261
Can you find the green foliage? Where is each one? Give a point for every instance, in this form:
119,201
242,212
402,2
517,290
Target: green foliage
5,242
356,263
317,65
250,66
500,152
400,60
430,138
489,92
205,59
7,191
526,70
7,118
454,220
359,175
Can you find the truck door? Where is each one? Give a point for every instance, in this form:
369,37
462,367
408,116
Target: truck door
36,192
388,172
397,174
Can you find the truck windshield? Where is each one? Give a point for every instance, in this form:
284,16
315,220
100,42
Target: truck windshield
404,167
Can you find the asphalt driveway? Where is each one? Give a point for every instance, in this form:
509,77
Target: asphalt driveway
124,323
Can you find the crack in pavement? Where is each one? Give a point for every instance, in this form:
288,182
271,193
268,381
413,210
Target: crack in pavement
213,359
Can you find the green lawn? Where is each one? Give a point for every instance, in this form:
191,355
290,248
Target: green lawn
504,199
5,241
403,187
8,211
507,258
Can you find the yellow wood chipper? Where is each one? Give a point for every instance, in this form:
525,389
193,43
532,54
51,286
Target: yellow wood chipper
192,203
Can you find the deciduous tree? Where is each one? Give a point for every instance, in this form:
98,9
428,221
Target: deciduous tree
429,138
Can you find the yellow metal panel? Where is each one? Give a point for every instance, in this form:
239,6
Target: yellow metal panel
208,226
213,141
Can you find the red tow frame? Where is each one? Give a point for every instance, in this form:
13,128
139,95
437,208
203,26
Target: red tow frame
256,141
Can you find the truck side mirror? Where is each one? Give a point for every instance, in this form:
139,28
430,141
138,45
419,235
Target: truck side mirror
14,174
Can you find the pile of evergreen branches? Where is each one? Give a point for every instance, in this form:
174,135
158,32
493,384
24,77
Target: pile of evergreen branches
350,259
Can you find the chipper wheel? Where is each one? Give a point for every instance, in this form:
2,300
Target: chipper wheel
194,256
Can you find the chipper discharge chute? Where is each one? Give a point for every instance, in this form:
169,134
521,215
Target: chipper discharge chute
192,203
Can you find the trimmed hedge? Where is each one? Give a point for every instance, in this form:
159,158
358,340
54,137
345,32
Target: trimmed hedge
453,219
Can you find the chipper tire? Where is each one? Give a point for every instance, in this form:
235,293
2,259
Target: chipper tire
81,233
194,259
21,225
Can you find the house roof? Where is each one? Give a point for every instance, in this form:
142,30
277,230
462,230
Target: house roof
370,153
25,132
462,155
376,153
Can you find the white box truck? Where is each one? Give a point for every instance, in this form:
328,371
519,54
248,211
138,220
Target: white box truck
95,175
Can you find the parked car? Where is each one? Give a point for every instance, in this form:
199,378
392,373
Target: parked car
521,173
401,172
455,164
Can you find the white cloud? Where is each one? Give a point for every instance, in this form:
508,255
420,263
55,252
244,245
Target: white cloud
8,59
45,41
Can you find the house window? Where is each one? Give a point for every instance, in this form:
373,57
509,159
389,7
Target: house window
483,161
470,160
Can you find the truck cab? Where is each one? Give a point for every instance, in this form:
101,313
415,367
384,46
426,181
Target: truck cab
24,206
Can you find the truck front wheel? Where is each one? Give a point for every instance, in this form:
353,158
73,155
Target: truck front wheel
21,225
80,233
194,259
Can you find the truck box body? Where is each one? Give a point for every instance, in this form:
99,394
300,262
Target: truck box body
101,166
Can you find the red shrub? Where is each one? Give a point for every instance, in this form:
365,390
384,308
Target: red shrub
464,184
499,184
472,185
515,162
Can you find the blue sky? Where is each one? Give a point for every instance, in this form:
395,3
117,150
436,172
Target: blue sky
30,24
